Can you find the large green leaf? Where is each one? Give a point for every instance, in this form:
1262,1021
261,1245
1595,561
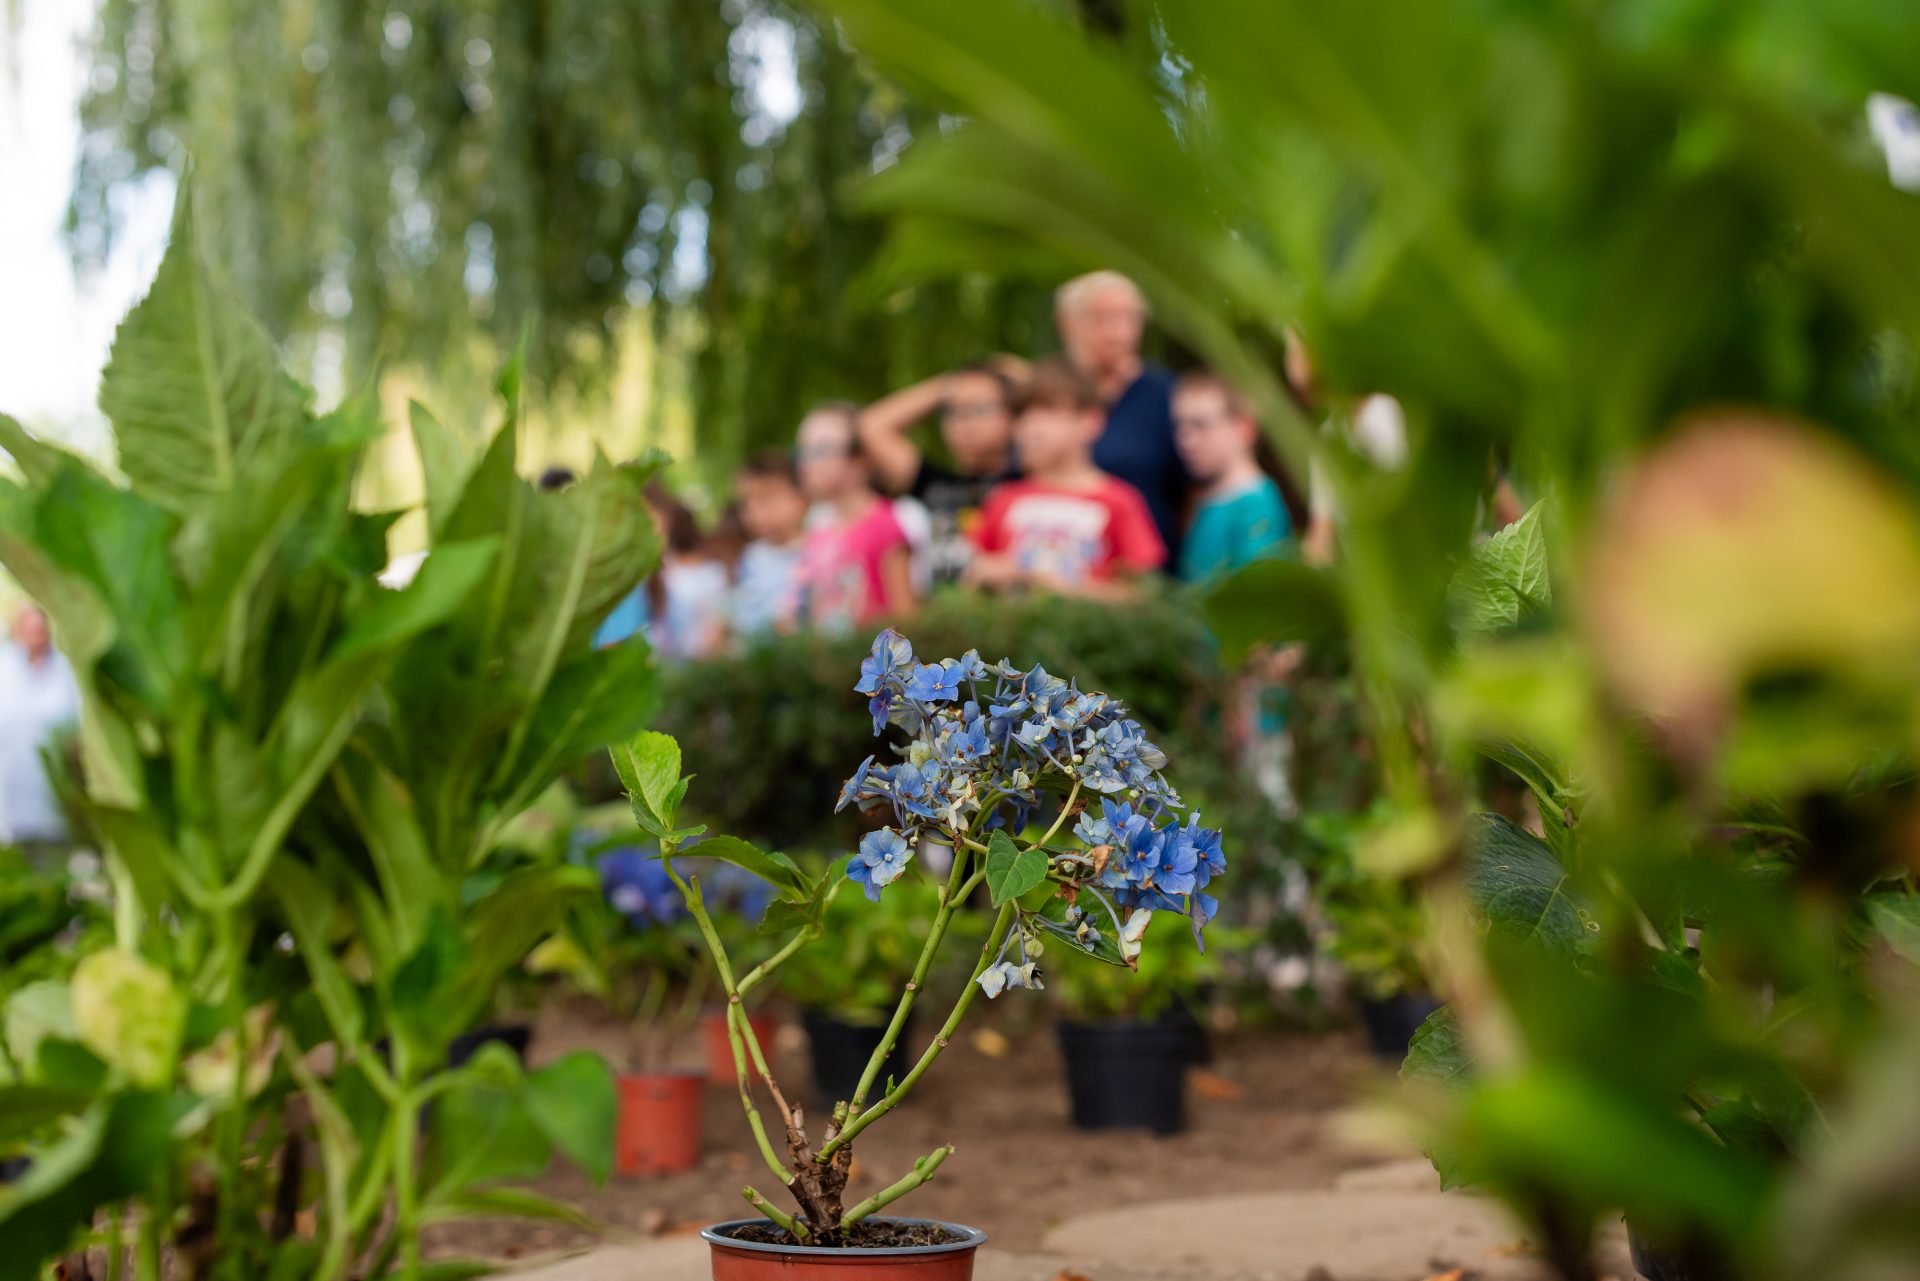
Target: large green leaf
1012,869
1438,1057
117,1149
1504,580
309,907
771,866
596,700
1517,886
573,1102
444,463
1272,602
193,386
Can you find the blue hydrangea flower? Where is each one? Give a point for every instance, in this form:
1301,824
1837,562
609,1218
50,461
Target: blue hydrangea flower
883,855
935,682
853,788
891,655
916,790
637,886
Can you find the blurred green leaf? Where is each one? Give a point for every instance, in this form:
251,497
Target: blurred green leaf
1272,602
572,1100
1517,886
1504,580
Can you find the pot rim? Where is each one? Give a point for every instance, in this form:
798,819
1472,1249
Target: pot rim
971,1239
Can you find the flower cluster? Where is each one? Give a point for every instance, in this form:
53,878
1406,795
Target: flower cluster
637,886
992,746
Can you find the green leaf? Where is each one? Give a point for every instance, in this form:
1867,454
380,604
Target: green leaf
1271,602
1896,918
503,927
308,906
1517,886
444,464
573,1102
1438,1057
27,1109
118,1148
786,917
649,768
772,867
1012,869
596,700
1549,785
1504,579
193,386
435,594
34,1013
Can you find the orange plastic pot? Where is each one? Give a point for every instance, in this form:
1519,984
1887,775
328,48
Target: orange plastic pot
659,1130
718,1050
750,1261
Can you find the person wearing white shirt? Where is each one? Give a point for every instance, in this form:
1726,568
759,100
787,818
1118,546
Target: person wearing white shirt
38,697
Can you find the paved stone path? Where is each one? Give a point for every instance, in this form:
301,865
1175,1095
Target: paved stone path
1382,1223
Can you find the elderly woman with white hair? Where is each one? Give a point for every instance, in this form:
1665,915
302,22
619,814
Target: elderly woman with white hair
1101,317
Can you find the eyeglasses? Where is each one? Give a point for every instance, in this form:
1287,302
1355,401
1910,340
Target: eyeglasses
806,452
1197,422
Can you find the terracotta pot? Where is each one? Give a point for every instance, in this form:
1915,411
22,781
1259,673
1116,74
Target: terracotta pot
718,1050
750,1261
659,1131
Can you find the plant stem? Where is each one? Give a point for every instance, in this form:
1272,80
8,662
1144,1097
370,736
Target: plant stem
696,905
921,1173
794,1227
855,1124
1066,808
949,901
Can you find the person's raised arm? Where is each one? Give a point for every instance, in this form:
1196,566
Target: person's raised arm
884,426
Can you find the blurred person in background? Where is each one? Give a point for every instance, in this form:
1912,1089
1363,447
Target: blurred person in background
1101,318
38,698
1240,516
1239,512
975,405
773,511
1067,527
855,563
692,592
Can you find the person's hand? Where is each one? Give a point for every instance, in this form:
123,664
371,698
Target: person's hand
1051,582
994,571
1015,369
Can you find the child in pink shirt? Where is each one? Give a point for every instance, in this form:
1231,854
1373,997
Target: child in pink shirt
1068,527
855,566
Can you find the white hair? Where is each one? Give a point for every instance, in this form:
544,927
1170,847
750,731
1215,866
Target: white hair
1081,290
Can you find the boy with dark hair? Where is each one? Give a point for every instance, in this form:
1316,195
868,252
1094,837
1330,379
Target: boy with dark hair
1068,527
975,404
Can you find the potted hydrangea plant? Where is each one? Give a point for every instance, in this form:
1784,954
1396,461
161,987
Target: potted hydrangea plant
997,766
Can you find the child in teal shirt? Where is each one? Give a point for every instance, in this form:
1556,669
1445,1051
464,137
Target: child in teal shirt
1241,516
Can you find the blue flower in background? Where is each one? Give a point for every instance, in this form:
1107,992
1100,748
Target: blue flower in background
638,887
883,855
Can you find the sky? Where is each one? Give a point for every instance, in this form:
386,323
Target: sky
54,326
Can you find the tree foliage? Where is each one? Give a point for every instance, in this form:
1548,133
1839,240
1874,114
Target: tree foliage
411,176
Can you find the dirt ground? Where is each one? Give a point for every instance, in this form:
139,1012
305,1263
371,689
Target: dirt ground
1263,1116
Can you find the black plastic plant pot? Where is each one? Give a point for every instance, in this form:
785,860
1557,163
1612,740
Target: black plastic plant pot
1127,1076
1658,1262
1391,1022
515,1036
840,1051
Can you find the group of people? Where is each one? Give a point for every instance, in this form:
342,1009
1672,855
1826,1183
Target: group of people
1082,475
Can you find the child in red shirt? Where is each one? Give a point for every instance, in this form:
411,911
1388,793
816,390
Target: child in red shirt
1067,527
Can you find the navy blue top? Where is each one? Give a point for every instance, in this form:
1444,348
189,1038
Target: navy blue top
1137,446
